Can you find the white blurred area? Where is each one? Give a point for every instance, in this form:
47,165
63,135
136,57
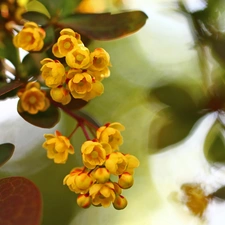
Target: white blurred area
165,34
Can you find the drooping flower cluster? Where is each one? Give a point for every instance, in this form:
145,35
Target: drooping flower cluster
32,99
83,73
30,38
102,158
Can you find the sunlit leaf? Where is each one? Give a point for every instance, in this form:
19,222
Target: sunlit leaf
46,119
7,87
20,202
105,26
214,146
36,17
37,6
168,128
178,98
220,193
6,151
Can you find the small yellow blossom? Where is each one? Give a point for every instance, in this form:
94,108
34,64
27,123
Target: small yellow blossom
102,194
30,38
110,133
116,163
78,58
72,72
94,153
83,87
84,200
132,163
58,147
32,99
120,202
100,75
100,59
78,181
126,180
101,175
53,72
60,95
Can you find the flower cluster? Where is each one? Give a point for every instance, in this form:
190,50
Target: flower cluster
102,158
30,38
83,73
32,99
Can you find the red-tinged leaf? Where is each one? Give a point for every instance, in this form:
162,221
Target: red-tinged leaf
20,202
7,87
105,26
6,151
75,104
47,119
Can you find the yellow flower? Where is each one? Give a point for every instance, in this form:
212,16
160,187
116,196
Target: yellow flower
53,72
94,153
126,180
78,181
78,58
102,194
101,175
132,163
100,75
110,133
100,60
120,202
60,95
116,163
32,99
67,41
58,147
82,86
84,200
30,38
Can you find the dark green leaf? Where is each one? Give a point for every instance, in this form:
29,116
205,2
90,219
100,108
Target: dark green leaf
20,203
176,97
88,118
37,6
6,151
76,104
46,119
220,193
214,146
36,17
7,87
168,128
105,26
7,49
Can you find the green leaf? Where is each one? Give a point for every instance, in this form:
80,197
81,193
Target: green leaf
214,146
175,96
36,6
168,128
20,203
105,26
7,87
36,17
7,49
76,104
6,151
47,119
220,193
88,118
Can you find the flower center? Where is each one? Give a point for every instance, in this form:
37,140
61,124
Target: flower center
32,100
79,57
67,45
94,155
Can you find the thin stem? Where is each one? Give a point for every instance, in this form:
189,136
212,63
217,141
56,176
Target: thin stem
75,129
85,131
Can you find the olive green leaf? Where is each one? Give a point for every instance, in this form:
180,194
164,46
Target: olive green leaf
5,88
214,146
36,17
220,193
105,26
6,151
36,6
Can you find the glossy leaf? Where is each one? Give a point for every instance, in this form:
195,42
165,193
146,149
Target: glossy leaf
76,104
36,6
20,202
6,151
105,26
47,119
177,97
214,146
36,17
168,128
7,87
220,193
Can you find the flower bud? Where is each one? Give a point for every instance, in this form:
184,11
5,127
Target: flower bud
126,180
120,202
84,200
101,175
83,181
